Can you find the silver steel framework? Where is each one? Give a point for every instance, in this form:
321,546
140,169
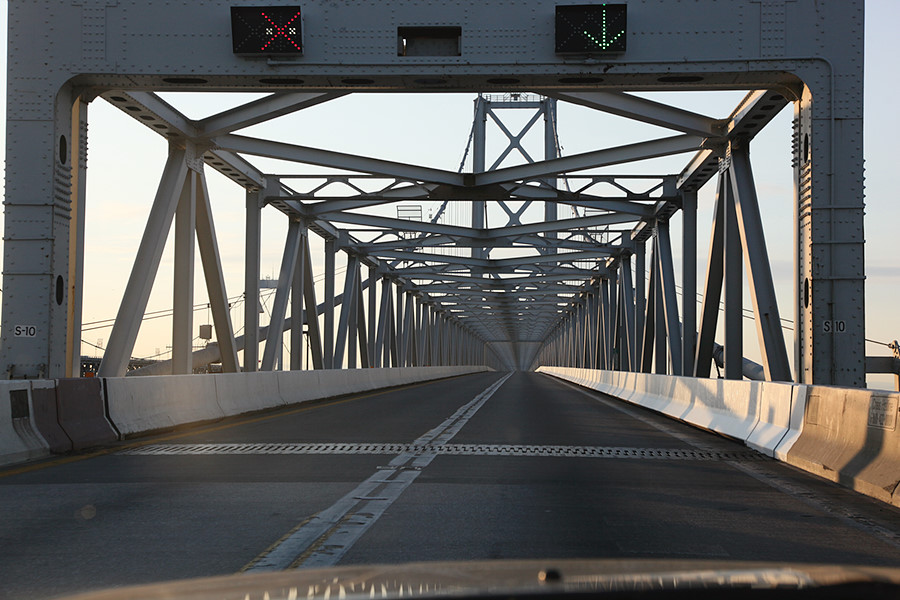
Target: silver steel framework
567,287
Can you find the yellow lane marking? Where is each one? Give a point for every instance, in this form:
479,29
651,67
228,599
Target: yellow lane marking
209,429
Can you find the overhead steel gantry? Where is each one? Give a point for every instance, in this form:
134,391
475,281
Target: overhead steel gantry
515,286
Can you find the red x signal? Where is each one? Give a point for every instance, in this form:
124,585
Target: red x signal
286,31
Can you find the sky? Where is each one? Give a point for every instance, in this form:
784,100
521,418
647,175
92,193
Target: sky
126,160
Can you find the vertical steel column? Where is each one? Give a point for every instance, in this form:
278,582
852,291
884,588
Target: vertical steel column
353,320
373,316
640,299
381,332
347,309
604,346
146,264
365,361
659,310
689,280
670,297
830,208
311,310
328,333
649,337
252,238
615,347
298,316
632,344
551,213
76,237
479,150
407,357
734,335
183,284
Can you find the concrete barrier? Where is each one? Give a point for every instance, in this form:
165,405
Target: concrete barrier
45,416
795,429
18,440
298,386
851,436
238,393
757,413
81,409
69,414
154,403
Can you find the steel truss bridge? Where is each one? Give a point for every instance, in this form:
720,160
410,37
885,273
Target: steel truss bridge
561,281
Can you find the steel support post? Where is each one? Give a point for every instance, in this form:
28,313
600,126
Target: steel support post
211,260
660,338
630,345
275,336
828,171
373,315
640,299
382,330
734,277
183,284
391,346
311,311
712,290
604,346
361,328
615,347
759,273
298,316
650,318
689,281
352,321
479,150
409,337
76,237
670,296
328,333
251,280
548,107
347,309
146,264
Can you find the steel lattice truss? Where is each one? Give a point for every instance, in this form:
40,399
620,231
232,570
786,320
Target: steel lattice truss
508,285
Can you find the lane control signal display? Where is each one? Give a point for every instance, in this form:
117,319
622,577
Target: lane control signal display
591,28
266,30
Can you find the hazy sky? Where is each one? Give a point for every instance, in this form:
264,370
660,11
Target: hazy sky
126,160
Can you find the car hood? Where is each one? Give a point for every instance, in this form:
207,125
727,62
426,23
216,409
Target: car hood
525,578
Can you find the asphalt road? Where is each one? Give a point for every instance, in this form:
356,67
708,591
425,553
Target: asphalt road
476,467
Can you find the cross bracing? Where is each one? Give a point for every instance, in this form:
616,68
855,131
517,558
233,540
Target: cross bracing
577,236
511,283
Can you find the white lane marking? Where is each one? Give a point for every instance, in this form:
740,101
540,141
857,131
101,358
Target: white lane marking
325,538
759,472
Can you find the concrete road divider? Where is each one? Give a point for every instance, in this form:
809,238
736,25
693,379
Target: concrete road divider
757,413
81,410
73,414
18,440
154,403
45,416
851,436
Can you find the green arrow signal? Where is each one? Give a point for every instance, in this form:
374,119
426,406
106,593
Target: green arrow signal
604,43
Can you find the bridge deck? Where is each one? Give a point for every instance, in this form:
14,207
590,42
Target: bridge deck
452,470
